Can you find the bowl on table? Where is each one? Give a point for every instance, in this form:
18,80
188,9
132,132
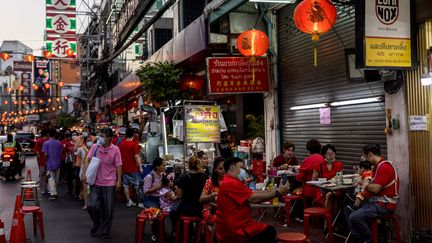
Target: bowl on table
347,181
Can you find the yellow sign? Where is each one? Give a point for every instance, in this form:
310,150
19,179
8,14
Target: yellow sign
388,52
202,123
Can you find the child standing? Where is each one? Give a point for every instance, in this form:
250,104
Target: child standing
167,196
365,170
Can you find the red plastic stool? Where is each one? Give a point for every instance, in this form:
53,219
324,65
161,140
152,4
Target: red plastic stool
37,218
291,237
288,208
139,226
186,220
396,228
320,212
161,230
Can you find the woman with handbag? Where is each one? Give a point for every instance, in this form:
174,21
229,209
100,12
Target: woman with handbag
108,179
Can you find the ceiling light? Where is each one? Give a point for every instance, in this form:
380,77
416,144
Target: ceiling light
357,101
304,107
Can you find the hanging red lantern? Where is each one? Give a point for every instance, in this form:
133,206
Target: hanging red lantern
20,88
47,54
315,17
194,82
29,58
4,56
253,43
60,84
47,85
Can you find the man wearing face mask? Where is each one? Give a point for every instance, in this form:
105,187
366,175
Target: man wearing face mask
108,178
233,203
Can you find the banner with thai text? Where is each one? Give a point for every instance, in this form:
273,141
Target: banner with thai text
202,123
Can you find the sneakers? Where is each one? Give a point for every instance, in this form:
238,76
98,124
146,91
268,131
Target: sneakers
130,203
140,205
52,197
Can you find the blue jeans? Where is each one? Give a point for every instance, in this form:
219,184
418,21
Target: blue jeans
151,202
360,219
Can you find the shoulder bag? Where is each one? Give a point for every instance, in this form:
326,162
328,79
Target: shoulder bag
92,168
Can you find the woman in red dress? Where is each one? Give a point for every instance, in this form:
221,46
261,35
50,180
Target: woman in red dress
328,169
210,190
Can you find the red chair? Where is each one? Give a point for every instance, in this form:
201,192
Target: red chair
139,226
291,237
288,208
396,228
37,218
186,220
318,212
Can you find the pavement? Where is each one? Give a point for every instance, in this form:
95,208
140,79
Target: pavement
64,220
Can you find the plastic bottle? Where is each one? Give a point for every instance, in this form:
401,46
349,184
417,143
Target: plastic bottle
275,199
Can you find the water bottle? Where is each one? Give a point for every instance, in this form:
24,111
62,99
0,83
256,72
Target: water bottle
275,199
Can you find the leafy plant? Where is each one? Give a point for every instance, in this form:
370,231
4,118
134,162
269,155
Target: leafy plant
66,120
161,80
255,126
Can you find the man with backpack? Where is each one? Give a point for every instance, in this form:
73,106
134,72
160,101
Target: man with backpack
12,148
120,137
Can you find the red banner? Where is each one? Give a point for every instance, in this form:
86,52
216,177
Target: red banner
237,75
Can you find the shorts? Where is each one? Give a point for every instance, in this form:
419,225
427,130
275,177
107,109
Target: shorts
131,179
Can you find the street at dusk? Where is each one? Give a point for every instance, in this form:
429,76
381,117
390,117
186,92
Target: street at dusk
216,121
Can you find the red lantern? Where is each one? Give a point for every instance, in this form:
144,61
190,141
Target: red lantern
70,53
253,43
20,88
47,54
60,84
315,17
29,58
47,85
35,87
194,82
4,56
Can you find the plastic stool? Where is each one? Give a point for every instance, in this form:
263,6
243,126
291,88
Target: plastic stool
186,220
161,230
291,237
37,218
320,212
396,228
29,193
288,209
139,224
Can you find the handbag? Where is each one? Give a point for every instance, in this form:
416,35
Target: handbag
92,168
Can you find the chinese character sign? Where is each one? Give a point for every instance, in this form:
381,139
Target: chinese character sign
202,123
237,75
60,23
60,5
59,46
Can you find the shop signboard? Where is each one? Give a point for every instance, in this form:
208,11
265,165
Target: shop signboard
41,75
202,123
60,5
59,45
60,23
237,75
387,38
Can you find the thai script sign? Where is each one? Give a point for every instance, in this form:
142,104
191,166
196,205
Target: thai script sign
418,123
387,39
202,123
237,75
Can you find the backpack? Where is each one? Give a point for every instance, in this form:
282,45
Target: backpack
140,191
119,140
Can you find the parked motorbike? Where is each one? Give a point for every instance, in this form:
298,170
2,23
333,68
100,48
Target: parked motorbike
10,164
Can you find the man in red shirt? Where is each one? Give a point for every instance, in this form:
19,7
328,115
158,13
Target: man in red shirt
382,193
42,161
129,151
287,158
234,222
67,160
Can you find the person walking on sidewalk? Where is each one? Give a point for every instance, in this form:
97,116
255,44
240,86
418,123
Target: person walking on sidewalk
100,205
41,160
52,150
129,151
67,159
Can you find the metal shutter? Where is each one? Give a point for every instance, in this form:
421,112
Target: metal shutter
300,83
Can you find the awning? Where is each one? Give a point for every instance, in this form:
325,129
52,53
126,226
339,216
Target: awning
121,90
187,43
222,8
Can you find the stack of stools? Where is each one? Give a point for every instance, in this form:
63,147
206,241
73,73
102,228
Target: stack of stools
396,228
30,204
291,237
185,221
288,208
318,212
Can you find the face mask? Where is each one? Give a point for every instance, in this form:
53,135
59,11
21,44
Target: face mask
89,144
85,134
242,176
101,140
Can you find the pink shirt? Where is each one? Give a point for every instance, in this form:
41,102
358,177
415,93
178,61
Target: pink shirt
110,160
